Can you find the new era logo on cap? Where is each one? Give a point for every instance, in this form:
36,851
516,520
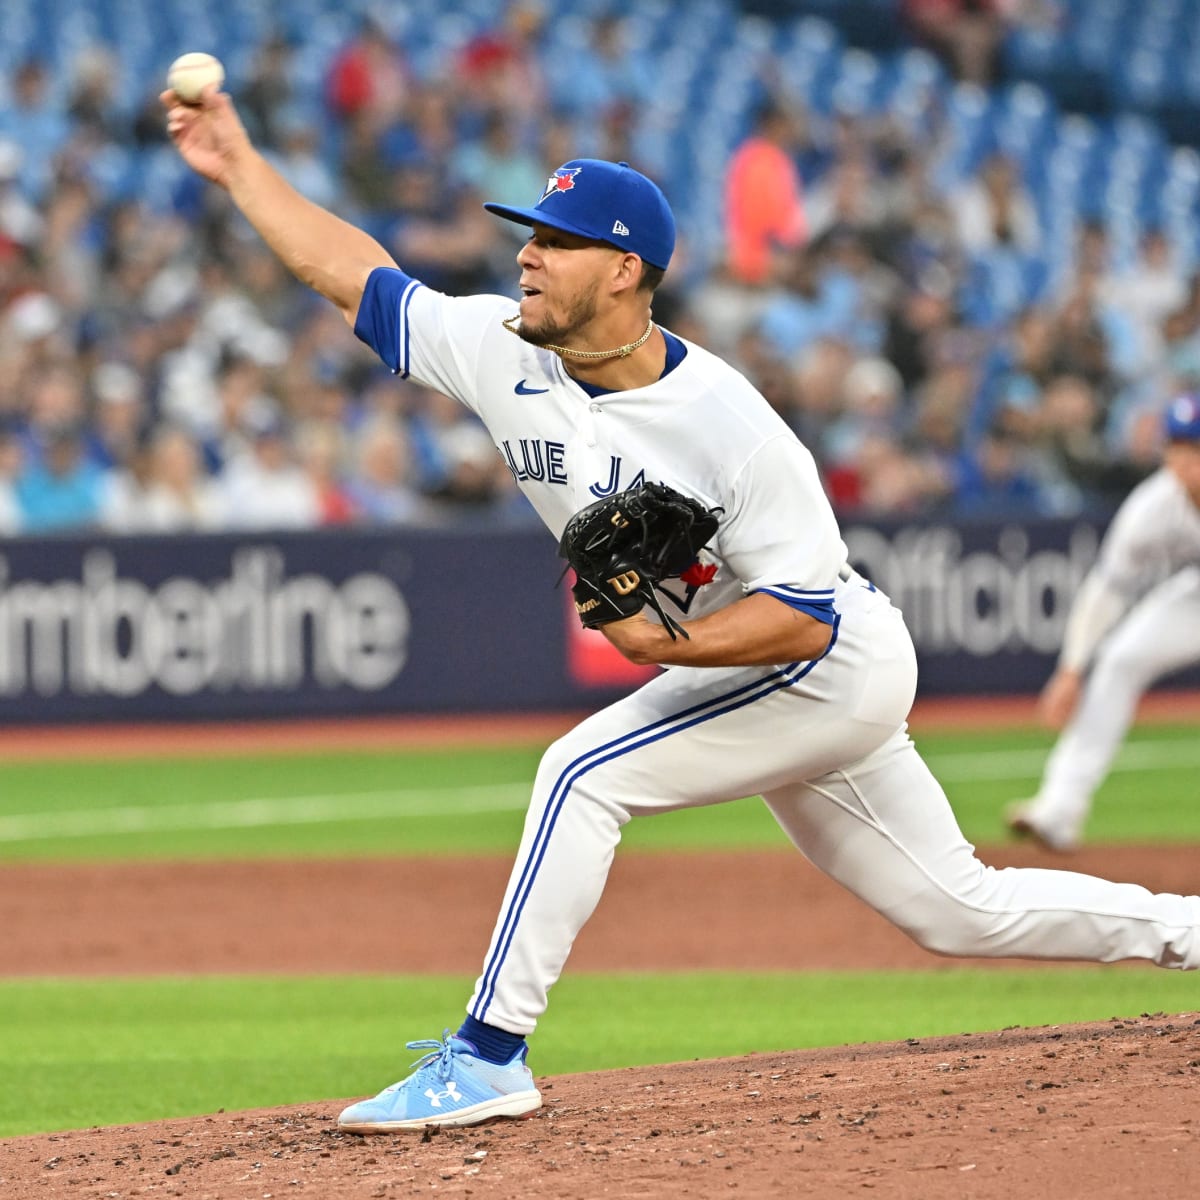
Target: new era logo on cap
621,229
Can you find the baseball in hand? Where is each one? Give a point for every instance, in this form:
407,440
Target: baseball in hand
190,74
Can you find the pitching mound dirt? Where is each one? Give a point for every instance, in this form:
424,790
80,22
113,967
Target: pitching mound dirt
1100,1110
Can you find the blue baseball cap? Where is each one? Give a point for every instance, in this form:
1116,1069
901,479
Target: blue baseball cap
607,202
1182,423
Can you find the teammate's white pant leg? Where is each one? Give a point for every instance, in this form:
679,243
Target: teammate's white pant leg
1160,634
883,828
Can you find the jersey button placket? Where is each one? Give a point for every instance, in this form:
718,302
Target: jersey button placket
587,425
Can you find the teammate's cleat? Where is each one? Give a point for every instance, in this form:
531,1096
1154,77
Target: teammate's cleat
450,1086
1023,822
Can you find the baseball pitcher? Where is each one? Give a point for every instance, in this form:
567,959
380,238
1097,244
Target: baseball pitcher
701,541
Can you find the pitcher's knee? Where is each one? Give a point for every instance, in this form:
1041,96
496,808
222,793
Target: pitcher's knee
947,925
572,768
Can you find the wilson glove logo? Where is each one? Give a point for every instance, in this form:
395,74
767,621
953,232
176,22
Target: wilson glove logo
626,582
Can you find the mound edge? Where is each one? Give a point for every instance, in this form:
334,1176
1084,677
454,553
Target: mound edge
1102,1109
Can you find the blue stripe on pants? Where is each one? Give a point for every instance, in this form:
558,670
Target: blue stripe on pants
732,701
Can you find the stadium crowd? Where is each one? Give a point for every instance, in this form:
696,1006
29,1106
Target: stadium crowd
160,372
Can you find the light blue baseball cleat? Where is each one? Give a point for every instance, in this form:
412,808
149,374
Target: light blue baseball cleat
450,1086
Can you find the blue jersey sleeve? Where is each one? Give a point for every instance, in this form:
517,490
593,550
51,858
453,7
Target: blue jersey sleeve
818,603
382,320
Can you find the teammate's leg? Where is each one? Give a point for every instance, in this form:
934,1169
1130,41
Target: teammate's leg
884,829
1161,634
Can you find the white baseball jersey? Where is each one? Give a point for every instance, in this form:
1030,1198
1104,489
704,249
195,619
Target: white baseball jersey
1156,531
823,742
701,428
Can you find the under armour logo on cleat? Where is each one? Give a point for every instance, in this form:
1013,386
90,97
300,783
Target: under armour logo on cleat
621,228
451,1093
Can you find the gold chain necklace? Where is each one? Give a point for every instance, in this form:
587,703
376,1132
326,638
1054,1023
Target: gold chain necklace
513,326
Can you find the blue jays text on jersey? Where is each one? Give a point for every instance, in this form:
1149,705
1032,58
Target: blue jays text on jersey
539,460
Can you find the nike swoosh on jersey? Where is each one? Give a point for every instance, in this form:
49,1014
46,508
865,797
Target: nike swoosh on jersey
522,390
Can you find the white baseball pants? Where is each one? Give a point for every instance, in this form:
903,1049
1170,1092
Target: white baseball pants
826,746
1159,635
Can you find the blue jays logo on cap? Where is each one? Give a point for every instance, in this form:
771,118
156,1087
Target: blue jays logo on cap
1183,419
563,180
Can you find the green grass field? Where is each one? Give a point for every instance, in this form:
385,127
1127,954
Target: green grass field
89,1052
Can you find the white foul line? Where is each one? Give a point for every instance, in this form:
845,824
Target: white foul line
285,810
1162,755
994,765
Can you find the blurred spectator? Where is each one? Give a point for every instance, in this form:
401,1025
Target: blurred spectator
59,488
918,324
810,304
966,33
299,160
125,495
819,378
20,223
92,105
266,488
848,197
1146,292
428,136
179,495
848,258
726,311
498,166
118,415
369,78
994,481
381,488
1079,468
10,470
872,407
1081,343
34,120
447,242
993,209
499,69
600,71
70,256
458,459
1014,377
243,406
363,172
54,401
764,207
265,96
322,452
891,482
32,338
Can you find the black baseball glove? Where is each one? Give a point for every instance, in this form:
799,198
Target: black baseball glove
625,544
